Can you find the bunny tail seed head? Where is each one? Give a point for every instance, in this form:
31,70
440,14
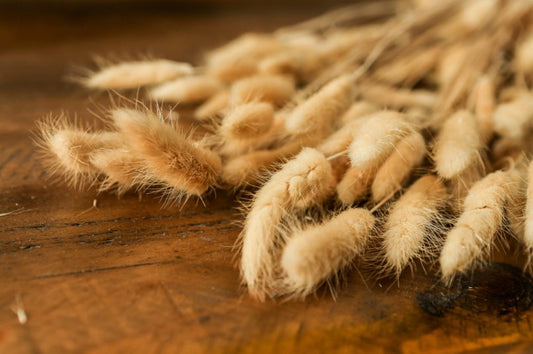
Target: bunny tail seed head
275,89
304,181
318,114
474,232
316,253
407,226
186,90
395,171
458,145
168,155
67,149
247,121
376,138
131,75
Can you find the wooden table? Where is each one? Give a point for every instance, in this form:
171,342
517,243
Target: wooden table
131,276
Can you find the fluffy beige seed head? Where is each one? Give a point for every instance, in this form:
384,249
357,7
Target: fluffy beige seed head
406,227
168,155
355,184
67,150
476,228
303,181
458,145
275,89
485,104
248,121
313,255
397,98
513,119
122,169
528,230
395,171
190,89
376,138
318,114
245,169
357,110
523,59
240,57
131,75
213,107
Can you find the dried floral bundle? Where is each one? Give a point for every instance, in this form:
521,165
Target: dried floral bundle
402,140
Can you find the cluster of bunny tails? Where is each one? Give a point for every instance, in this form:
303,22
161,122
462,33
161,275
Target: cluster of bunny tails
388,134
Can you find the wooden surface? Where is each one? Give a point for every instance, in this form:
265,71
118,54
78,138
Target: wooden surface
129,276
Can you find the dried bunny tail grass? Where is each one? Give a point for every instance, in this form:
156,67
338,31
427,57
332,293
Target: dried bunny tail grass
410,69
247,121
396,98
318,114
408,226
246,169
376,138
395,171
275,89
523,56
528,227
302,63
239,58
515,118
458,145
314,254
474,232
190,89
338,142
167,154
134,74
484,106
460,185
357,110
123,170
303,181
67,149
248,127
355,184
213,107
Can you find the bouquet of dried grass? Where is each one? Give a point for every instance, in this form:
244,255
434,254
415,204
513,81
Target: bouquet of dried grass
410,132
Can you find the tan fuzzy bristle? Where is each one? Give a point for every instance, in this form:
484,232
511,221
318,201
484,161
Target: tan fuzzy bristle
248,121
245,169
528,227
213,107
355,184
169,156
123,170
318,114
132,75
275,89
395,171
523,60
474,233
397,98
357,110
190,89
239,58
514,119
67,149
303,181
375,139
458,145
485,104
316,253
408,223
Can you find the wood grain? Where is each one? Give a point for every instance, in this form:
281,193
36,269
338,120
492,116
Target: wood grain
130,276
